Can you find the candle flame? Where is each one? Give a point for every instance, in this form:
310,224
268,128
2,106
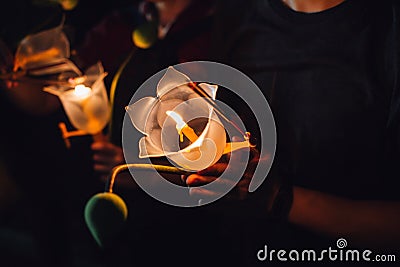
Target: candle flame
82,91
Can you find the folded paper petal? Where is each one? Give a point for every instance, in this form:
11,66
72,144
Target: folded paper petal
140,111
170,80
44,53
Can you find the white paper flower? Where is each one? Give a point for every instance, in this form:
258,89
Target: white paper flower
85,100
180,124
44,53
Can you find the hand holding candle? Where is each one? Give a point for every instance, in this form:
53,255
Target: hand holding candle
228,166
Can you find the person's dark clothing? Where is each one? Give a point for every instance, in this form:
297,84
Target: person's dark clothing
331,79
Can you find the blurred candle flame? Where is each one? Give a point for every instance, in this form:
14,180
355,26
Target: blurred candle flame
81,91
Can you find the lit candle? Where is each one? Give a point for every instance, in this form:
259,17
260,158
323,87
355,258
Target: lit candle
182,127
82,92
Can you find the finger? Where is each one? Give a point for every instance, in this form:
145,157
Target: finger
102,168
237,162
241,155
214,170
101,158
213,183
242,190
104,147
196,180
202,193
104,153
255,154
244,183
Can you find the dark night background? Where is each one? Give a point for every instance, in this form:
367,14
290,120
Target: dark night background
20,17
38,208
44,187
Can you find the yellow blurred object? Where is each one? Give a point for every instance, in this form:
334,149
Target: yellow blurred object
44,53
68,4
40,57
144,36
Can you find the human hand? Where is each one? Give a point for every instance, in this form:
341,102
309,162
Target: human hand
106,156
233,163
273,198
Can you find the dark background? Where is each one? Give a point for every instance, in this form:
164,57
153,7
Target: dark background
21,17
41,197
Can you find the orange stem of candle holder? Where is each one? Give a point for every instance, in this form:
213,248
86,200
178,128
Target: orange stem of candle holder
66,135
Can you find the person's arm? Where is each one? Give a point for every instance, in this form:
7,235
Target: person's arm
363,223
366,223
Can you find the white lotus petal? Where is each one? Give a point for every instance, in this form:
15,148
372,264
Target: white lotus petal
37,50
171,79
209,89
139,112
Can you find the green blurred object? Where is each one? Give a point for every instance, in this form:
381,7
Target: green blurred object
105,214
145,35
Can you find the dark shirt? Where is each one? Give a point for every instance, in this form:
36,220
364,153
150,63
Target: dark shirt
331,81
